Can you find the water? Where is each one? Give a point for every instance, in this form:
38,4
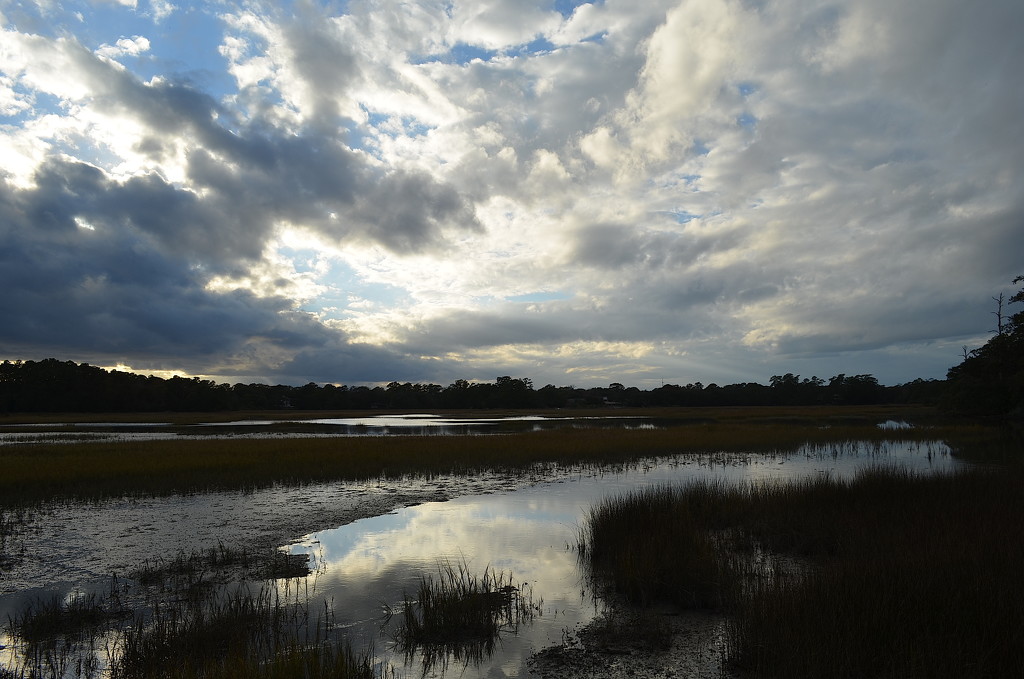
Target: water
379,425
522,525
367,567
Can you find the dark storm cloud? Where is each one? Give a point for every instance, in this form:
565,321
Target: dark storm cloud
255,175
869,328
106,288
630,313
355,363
404,211
617,246
467,329
91,264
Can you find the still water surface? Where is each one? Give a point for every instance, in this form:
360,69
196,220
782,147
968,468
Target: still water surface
365,568
375,425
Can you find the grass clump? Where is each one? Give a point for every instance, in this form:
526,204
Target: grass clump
458,615
53,631
46,618
242,634
198,568
679,565
889,574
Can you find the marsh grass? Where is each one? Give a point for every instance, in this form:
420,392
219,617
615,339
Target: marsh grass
42,472
229,632
13,523
192,573
680,565
461,616
241,633
196,615
47,618
191,566
59,634
890,574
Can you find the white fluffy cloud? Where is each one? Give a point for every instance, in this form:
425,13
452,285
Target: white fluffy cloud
711,190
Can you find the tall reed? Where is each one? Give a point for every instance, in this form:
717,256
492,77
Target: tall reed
677,562
890,574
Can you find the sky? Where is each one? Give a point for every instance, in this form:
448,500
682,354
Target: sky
576,193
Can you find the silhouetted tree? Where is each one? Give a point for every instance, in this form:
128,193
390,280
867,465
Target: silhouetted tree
990,380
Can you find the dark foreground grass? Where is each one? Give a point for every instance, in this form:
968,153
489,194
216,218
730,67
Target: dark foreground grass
229,633
241,635
888,575
41,472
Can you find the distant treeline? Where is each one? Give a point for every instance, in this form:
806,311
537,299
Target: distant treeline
51,385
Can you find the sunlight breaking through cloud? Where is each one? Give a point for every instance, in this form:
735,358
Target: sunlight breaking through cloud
708,190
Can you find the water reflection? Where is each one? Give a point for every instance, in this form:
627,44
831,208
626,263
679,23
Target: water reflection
420,424
365,568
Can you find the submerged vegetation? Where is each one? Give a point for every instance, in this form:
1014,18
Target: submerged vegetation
891,574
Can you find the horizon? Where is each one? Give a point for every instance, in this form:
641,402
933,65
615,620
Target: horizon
522,378
583,193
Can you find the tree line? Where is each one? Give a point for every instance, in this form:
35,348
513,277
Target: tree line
51,385
989,382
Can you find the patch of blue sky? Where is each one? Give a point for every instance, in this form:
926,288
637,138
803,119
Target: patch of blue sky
543,296
673,181
392,126
56,20
539,45
344,287
92,24
596,37
375,119
747,121
31,104
567,7
681,216
184,48
361,137
746,89
460,54
85,149
700,148
302,260
414,128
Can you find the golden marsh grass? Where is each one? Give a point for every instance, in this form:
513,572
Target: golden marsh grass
86,470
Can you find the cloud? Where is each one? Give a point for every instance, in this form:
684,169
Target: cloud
110,291
709,184
131,47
